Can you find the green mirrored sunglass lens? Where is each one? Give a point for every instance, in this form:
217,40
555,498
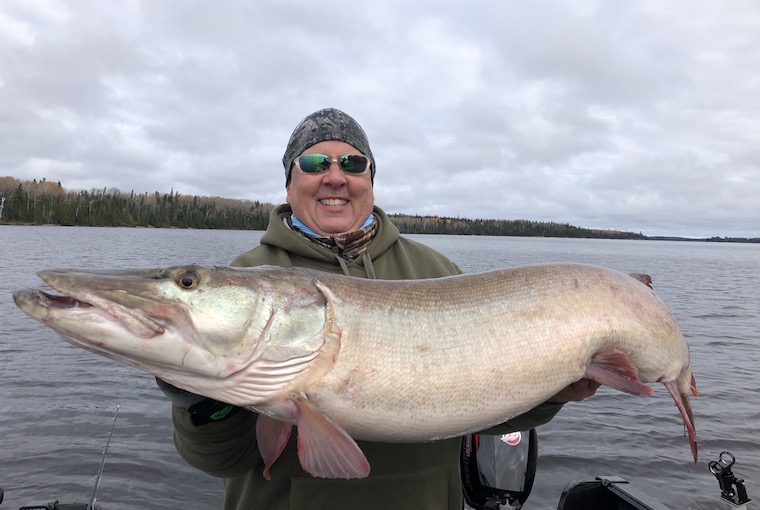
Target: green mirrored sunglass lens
353,163
313,163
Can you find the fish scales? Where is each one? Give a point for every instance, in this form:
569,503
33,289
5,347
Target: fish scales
436,356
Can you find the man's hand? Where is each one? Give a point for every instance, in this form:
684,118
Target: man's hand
202,410
178,396
575,392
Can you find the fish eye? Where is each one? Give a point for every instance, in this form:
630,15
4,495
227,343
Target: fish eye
188,279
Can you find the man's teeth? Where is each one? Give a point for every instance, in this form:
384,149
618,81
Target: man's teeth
333,201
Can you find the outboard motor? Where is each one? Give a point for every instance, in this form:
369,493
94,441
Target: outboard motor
498,470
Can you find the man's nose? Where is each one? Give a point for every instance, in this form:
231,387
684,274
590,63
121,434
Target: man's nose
334,175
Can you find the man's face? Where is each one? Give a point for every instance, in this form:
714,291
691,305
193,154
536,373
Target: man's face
331,202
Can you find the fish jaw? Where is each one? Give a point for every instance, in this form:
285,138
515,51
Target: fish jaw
130,316
135,330
220,332
63,312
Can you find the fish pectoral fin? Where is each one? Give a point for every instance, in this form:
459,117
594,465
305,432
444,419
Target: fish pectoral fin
324,448
272,436
613,368
684,407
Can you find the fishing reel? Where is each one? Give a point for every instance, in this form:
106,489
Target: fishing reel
732,488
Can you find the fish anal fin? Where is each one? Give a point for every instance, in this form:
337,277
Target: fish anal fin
684,407
612,367
324,448
272,436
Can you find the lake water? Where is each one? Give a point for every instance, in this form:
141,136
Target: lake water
57,402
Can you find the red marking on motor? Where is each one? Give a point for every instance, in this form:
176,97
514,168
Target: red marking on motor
512,439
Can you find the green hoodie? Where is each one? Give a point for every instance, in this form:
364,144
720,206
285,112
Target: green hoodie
403,476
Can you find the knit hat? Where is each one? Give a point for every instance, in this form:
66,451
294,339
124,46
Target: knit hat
324,125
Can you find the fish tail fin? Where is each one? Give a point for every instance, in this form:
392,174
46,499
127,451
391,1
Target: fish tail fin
612,367
681,399
324,448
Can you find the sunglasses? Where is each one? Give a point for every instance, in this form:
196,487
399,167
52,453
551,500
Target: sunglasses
318,163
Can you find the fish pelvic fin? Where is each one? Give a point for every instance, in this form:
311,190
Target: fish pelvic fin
612,367
272,436
324,448
683,404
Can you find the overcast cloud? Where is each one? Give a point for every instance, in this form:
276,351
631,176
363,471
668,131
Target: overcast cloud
639,116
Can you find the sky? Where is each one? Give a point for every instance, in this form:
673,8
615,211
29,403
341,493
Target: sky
637,116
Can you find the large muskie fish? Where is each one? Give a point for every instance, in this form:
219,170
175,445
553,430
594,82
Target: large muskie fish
392,361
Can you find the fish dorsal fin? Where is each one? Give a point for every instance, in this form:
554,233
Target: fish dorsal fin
693,387
643,278
324,448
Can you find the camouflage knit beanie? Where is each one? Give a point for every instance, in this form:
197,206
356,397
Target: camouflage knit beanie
324,125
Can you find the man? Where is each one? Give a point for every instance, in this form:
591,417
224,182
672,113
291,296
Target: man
330,223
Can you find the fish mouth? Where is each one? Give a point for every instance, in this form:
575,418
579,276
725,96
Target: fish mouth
127,315
55,301
112,306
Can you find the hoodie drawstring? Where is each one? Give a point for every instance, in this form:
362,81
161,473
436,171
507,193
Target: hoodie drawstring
366,260
343,265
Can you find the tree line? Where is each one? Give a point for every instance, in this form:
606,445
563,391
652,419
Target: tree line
46,202
517,228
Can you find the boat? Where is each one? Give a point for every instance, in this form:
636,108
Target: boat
498,474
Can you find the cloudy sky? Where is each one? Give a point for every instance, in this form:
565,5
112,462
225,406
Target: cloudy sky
641,116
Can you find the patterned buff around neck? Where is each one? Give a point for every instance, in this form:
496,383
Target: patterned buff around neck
347,246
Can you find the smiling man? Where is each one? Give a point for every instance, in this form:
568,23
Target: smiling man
330,223
331,189
329,173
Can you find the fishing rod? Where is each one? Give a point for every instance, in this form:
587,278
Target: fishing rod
91,505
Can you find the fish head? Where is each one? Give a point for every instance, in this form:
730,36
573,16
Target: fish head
194,326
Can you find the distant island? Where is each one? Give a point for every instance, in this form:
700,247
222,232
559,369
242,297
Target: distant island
48,203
